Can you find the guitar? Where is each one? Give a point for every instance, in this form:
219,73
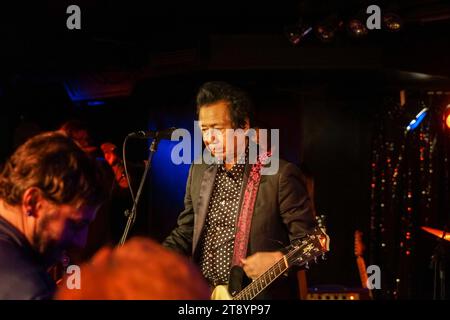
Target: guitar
300,253
359,251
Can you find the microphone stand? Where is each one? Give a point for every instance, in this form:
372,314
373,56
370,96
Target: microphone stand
438,263
132,215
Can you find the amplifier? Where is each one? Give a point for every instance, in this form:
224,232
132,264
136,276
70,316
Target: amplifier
338,294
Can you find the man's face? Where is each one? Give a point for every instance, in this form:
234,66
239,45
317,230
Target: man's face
214,121
60,227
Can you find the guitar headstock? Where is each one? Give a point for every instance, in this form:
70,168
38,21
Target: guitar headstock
359,244
309,248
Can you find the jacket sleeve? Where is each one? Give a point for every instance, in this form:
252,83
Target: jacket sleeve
180,239
295,205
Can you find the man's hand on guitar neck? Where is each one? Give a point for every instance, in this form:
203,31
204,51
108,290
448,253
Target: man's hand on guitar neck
258,263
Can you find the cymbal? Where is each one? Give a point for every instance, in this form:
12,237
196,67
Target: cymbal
436,232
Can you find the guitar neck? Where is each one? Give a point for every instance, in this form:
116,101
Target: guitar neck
301,252
363,274
362,271
258,285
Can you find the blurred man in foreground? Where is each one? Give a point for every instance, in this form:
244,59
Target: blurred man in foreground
50,191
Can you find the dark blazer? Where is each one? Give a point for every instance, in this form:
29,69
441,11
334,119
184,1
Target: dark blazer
282,213
22,273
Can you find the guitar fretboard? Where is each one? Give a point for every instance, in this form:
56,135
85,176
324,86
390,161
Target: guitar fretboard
362,271
258,285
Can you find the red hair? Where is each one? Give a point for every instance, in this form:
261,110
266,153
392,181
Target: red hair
139,270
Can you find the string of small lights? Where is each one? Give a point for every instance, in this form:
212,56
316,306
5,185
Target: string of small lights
403,187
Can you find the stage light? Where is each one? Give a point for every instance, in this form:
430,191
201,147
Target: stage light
327,29
357,28
295,33
95,103
392,22
417,120
447,117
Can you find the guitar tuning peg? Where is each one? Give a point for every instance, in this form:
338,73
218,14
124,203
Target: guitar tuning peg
324,257
307,265
315,259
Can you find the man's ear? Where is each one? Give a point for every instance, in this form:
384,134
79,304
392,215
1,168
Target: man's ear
31,201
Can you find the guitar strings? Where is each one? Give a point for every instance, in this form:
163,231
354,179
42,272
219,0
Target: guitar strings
271,269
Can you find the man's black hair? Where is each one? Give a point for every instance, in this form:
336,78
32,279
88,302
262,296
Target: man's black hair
239,103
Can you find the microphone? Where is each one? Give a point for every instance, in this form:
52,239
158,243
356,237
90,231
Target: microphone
165,134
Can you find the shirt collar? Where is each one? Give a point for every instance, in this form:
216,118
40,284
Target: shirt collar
237,171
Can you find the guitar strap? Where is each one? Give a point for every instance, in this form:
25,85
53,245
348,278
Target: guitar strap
248,205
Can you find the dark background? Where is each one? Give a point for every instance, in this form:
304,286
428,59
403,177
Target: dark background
143,63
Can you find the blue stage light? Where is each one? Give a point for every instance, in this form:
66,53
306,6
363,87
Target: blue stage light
95,103
417,120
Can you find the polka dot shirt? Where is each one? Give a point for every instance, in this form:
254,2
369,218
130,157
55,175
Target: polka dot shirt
218,237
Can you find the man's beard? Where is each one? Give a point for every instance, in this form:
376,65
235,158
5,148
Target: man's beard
50,250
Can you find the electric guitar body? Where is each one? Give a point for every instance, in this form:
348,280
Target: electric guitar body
300,253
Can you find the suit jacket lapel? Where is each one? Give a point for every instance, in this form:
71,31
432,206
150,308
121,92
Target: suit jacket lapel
206,188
